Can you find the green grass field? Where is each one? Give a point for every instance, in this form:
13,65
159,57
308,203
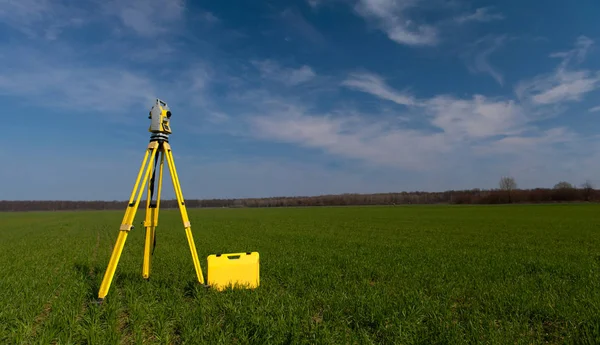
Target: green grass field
360,275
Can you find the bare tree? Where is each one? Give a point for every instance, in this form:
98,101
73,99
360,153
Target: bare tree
587,187
508,184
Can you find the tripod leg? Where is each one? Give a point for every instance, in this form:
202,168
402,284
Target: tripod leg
151,221
148,226
183,211
126,224
158,196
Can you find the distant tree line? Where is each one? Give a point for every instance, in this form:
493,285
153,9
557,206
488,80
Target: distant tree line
506,193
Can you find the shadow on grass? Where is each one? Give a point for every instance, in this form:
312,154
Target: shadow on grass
91,276
192,289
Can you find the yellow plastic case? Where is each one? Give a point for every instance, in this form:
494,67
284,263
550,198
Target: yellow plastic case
239,270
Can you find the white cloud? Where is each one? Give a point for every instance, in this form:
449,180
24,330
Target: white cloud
480,15
561,86
293,24
289,76
541,141
314,3
564,84
397,19
475,118
453,126
107,73
40,18
594,109
375,85
47,19
469,118
582,45
457,130
478,60
147,17
390,16
209,17
58,79
83,89
354,138
461,132
301,75
218,117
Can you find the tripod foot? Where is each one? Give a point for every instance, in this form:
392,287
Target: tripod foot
99,301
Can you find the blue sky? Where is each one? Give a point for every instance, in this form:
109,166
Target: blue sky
299,97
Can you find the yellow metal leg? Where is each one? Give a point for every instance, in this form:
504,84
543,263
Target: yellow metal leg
151,221
148,226
158,195
183,211
127,223
147,246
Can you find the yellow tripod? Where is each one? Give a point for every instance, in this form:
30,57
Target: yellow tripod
236,269
158,146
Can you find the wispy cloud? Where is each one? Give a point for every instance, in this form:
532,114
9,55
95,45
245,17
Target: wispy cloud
40,18
314,3
478,57
293,23
271,70
579,52
101,89
397,19
460,133
544,139
375,85
469,118
209,17
47,19
354,138
59,79
390,16
147,17
480,15
31,22
564,84
457,129
454,128
594,109
475,118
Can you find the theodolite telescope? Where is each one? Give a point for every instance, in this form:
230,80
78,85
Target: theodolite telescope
160,116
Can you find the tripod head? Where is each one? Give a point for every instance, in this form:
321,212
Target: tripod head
160,115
